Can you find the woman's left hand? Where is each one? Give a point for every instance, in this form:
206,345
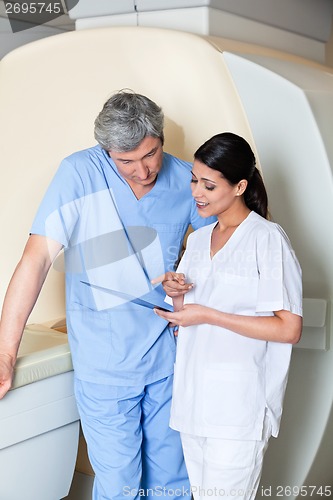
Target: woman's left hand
189,314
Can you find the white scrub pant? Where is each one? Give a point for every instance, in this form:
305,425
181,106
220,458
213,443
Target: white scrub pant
131,447
224,468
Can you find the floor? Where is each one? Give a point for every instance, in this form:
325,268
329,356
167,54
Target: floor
81,488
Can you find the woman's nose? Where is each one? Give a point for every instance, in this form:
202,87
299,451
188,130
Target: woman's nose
196,189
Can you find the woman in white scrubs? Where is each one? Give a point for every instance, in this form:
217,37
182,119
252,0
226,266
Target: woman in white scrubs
237,297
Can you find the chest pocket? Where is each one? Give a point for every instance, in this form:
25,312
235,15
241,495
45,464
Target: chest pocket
234,293
171,238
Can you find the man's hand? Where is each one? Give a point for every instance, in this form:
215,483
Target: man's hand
21,295
6,373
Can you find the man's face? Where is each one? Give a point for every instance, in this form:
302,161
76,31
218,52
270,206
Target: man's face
140,166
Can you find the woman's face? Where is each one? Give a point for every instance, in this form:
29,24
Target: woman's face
213,194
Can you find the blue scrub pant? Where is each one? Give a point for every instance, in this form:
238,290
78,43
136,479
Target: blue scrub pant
131,447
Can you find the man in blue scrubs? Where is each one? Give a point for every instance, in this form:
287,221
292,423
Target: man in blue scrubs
120,211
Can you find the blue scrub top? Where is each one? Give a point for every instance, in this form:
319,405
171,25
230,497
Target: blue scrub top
114,245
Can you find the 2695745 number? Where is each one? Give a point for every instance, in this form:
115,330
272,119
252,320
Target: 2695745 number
33,7
303,491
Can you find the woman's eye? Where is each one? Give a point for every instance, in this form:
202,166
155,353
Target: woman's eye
210,188
194,181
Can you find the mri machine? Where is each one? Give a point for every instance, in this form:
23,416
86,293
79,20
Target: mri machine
51,92
39,424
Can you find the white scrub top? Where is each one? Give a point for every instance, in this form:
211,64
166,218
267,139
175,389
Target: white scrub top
114,245
224,382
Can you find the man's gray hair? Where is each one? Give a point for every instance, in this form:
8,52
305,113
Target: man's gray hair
126,119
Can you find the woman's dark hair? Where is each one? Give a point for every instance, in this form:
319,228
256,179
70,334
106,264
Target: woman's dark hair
231,155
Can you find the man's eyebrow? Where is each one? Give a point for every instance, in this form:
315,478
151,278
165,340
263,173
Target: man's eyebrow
153,150
123,159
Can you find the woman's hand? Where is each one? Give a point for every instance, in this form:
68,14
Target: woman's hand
174,284
188,315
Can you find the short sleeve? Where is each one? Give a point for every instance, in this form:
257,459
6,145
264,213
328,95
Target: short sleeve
60,208
280,276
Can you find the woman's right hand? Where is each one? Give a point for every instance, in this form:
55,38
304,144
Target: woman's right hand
174,284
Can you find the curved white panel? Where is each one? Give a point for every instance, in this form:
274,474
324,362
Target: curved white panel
289,108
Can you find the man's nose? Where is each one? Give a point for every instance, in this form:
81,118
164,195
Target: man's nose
142,169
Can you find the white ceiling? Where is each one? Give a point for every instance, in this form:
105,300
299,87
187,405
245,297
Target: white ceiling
313,16
310,18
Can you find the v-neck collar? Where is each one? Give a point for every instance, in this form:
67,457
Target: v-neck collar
229,242
127,185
